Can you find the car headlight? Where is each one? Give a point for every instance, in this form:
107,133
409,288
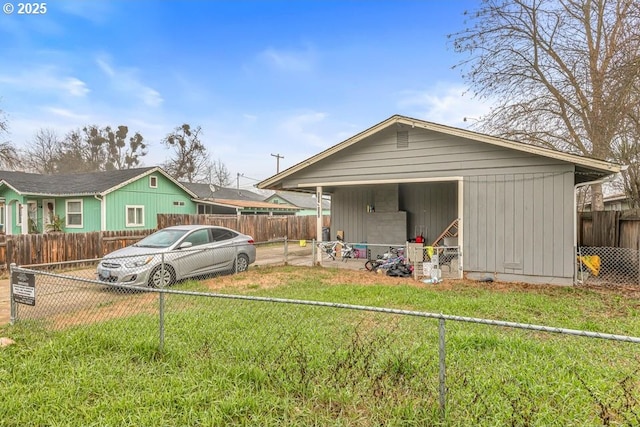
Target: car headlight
138,263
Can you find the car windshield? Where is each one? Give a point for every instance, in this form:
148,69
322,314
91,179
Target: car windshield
161,239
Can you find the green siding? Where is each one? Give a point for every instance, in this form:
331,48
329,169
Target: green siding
154,200
138,193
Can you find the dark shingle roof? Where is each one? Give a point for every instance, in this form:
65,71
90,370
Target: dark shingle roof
69,184
210,191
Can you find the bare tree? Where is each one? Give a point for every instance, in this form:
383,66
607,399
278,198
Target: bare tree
219,174
190,161
627,152
563,73
42,152
8,153
76,155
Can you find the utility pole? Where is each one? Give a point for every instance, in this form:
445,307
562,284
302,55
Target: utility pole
278,157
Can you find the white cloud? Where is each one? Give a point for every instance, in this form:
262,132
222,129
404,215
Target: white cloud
305,129
46,78
76,87
126,81
445,104
67,114
288,61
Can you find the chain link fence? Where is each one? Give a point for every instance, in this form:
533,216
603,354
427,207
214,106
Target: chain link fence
604,266
390,363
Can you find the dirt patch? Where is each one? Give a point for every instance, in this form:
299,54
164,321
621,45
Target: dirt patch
272,277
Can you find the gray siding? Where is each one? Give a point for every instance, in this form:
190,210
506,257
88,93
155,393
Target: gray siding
428,155
519,224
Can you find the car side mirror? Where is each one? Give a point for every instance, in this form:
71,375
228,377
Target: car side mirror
185,245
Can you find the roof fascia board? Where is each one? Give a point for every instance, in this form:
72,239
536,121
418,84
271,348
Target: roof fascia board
4,182
328,152
381,181
532,149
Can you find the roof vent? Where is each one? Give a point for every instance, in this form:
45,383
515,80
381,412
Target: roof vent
402,139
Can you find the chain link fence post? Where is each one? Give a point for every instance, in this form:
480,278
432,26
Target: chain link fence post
442,370
12,303
286,250
161,305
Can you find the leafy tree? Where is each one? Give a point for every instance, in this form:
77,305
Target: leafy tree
190,161
122,155
563,73
94,149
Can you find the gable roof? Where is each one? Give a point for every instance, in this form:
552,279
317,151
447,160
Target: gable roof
212,191
78,184
599,166
301,200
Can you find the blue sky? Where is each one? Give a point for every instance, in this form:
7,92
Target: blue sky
260,77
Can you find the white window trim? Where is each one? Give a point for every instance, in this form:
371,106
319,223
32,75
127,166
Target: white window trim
81,213
126,213
152,179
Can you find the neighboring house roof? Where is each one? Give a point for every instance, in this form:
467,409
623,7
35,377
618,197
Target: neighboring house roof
212,191
248,204
78,184
210,194
600,166
301,200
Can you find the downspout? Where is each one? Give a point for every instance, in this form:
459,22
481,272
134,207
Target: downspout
103,211
575,217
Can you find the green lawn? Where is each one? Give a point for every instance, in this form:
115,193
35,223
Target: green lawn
235,362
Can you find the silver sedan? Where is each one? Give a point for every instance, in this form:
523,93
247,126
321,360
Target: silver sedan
176,253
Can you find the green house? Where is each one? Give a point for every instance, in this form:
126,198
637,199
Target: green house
100,201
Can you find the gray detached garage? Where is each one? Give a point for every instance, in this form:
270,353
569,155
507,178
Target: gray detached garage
513,205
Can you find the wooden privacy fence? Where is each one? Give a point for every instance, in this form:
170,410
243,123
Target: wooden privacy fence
261,227
615,229
51,248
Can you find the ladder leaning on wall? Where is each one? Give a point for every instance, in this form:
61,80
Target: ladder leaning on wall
450,231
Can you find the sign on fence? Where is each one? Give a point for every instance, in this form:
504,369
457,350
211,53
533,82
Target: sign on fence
23,288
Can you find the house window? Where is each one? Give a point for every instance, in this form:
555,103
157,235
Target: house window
2,215
19,214
153,181
205,209
74,214
178,203
135,216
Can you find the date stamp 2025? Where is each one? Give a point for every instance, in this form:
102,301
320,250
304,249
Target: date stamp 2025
10,8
